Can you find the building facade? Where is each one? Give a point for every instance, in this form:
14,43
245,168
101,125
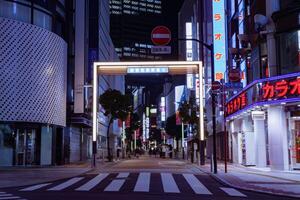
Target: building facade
33,70
263,118
46,65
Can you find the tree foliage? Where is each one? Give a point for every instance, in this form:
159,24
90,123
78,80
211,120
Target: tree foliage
116,106
171,128
188,113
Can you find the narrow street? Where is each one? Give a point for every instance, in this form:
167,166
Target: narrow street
142,178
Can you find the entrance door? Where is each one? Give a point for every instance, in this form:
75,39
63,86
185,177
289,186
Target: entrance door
296,145
20,144
25,151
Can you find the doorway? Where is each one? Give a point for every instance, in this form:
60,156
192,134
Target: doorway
296,144
25,147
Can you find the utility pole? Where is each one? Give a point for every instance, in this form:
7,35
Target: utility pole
213,98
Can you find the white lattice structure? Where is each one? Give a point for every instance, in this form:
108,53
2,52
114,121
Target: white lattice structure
33,69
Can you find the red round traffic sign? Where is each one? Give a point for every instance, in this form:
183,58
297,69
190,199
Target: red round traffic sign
216,85
161,35
234,75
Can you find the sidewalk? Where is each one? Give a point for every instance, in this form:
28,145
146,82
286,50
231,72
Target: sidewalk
285,183
21,176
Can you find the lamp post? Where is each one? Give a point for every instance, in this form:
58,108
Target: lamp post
211,49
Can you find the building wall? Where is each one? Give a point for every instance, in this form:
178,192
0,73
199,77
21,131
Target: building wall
32,73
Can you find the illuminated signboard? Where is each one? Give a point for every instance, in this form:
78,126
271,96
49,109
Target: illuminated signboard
236,104
281,89
163,108
147,70
219,38
274,90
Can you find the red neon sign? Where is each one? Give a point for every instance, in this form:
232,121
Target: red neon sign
281,89
236,104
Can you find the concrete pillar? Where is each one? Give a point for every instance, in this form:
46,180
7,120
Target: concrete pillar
271,7
259,138
278,140
46,145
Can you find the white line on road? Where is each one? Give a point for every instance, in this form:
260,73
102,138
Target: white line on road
35,187
169,183
66,184
123,175
5,195
2,198
143,182
115,185
195,184
92,183
232,192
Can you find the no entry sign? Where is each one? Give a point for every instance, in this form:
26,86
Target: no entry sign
161,35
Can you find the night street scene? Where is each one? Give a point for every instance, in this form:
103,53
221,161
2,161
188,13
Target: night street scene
150,99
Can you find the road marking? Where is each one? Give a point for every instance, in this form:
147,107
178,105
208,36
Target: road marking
93,182
232,192
66,184
9,197
143,183
123,175
195,184
115,185
35,187
5,195
169,183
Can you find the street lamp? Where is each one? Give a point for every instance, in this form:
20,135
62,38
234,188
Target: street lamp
211,49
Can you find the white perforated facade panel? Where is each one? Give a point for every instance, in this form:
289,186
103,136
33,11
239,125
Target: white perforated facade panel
33,68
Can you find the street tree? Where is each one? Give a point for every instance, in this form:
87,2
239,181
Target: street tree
116,106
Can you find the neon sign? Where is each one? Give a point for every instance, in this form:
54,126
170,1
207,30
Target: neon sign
236,104
283,88
219,38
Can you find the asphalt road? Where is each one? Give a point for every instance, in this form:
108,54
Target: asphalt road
139,179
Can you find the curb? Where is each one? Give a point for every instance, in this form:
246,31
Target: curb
222,181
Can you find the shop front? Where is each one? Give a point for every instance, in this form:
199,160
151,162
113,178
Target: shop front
30,144
263,121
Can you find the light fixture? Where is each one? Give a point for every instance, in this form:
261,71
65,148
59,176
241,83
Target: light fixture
282,103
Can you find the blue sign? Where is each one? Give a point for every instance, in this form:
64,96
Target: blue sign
219,38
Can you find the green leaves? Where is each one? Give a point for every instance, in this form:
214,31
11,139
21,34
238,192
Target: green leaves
115,104
188,113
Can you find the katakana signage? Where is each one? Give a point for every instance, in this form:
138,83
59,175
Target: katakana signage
219,38
265,91
279,89
236,104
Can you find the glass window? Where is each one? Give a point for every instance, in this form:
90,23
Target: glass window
289,52
42,19
15,11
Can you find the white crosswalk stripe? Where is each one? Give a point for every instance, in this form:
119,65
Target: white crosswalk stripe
169,183
14,197
140,184
195,184
4,195
66,184
35,187
232,192
92,183
143,183
116,185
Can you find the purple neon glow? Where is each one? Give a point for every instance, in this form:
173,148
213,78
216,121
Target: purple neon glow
262,103
264,80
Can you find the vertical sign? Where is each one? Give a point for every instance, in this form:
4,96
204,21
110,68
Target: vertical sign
163,108
219,38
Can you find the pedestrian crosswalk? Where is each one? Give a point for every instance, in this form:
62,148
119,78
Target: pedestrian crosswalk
7,196
137,182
